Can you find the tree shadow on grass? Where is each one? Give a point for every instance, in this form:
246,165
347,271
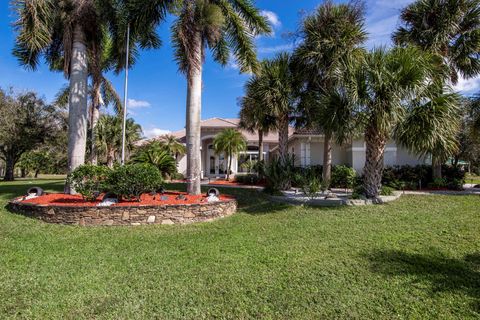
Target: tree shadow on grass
442,273
251,201
16,189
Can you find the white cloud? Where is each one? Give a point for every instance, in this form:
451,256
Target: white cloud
380,32
154,132
275,49
468,86
272,17
136,104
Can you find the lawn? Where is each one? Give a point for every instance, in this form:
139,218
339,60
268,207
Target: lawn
472,179
418,257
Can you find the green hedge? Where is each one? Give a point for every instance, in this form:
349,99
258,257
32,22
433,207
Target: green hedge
128,182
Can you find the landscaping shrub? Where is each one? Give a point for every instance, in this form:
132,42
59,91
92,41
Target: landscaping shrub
89,180
414,177
279,175
311,186
132,180
438,183
251,179
310,181
386,191
343,177
177,176
155,154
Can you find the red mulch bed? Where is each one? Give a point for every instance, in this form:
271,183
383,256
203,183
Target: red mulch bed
60,199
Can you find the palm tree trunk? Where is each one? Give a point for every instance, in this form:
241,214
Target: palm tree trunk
77,103
229,166
110,158
260,145
436,167
283,138
194,109
9,168
327,159
94,121
373,162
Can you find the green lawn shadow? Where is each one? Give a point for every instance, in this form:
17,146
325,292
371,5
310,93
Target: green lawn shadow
440,272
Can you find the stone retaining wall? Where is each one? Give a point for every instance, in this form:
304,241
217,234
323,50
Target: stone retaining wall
126,215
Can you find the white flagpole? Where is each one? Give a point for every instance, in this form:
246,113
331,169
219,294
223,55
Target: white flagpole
125,95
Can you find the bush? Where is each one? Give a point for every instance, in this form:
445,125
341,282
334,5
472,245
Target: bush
131,181
279,175
438,183
311,186
414,177
386,191
155,154
455,184
177,176
89,180
251,179
343,177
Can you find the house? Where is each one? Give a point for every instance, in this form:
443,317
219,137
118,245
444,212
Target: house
306,145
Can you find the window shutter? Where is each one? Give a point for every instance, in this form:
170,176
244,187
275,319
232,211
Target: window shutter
302,154
307,154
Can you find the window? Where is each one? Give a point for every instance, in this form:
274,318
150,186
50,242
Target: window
304,154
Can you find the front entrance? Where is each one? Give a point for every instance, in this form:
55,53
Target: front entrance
216,164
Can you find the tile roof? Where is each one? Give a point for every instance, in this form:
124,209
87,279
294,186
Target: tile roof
271,137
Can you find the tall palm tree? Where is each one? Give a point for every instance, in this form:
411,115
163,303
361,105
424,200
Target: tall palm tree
254,116
228,28
230,142
386,85
65,33
62,31
102,94
332,39
448,28
109,136
274,90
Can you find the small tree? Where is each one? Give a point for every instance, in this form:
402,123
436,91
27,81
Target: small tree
332,40
25,122
155,153
172,145
109,136
231,142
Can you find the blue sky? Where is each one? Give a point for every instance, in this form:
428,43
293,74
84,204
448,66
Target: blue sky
156,89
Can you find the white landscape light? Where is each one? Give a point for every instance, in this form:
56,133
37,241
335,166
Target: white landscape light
125,94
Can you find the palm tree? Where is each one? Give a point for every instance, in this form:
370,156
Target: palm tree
223,26
432,127
172,145
65,32
254,116
386,85
273,88
332,37
448,28
109,136
103,94
155,153
230,142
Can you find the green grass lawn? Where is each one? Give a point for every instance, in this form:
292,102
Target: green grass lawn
472,179
418,258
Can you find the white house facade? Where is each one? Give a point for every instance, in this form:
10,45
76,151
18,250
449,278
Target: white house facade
305,145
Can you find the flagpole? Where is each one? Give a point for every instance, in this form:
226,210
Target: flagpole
125,94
